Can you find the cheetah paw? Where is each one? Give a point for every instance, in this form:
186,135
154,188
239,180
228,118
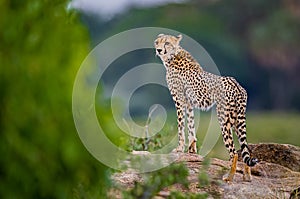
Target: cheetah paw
193,147
247,178
227,178
179,149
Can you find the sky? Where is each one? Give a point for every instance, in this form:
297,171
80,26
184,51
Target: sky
107,9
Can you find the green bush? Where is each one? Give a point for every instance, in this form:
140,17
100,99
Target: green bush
42,46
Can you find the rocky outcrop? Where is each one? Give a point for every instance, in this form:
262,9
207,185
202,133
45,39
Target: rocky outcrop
277,175
282,154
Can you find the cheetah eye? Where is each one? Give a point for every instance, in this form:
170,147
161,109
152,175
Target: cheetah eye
156,43
167,43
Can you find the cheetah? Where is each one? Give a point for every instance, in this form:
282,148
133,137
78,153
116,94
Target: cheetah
192,87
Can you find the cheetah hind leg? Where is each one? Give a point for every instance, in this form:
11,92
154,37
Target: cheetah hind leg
229,177
247,173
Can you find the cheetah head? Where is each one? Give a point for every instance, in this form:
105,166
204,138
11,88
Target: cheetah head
167,45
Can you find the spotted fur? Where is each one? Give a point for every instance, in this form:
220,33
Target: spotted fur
192,87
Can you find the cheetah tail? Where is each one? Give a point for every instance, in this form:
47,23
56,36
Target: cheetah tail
246,156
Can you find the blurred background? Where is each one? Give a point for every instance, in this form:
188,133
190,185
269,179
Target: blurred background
42,44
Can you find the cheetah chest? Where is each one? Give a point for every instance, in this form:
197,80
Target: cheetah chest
191,87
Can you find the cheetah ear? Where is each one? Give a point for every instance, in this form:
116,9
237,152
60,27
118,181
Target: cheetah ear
160,35
179,37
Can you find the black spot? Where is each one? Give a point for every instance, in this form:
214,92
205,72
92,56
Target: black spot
239,125
244,154
244,146
252,162
242,139
241,117
246,159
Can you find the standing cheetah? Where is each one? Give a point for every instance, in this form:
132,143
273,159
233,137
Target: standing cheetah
192,87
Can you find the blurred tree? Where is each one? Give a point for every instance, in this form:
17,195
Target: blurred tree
255,41
42,45
274,42
293,6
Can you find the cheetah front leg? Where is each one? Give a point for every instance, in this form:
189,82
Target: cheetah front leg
180,108
191,129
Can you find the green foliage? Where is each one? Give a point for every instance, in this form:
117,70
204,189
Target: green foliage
203,177
157,181
147,144
42,46
179,195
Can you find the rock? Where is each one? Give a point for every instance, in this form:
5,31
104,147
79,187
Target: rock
282,154
295,194
277,175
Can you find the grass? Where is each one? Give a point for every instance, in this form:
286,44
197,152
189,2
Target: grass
265,127
278,127
262,127
274,127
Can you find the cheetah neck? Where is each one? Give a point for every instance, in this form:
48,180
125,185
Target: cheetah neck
182,59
